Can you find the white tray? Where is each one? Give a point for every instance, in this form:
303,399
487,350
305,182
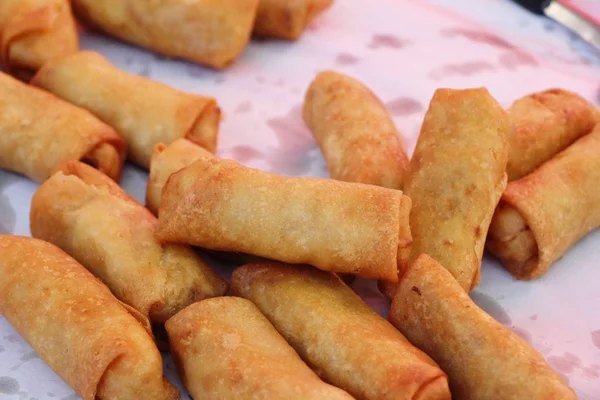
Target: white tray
403,50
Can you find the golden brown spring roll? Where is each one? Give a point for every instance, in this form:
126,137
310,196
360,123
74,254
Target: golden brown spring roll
98,346
286,19
338,334
211,32
543,214
224,348
142,111
545,123
167,159
33,32
39,131
333,225
455,179
483,359
355,132
95,221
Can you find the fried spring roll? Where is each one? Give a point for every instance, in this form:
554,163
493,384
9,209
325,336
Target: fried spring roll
39,131
142,111
455,179
338,334
224,348
33,32
355,132
211,32
483,359
167,159
285,19
546,123
222,205
95,221
543,214
98,346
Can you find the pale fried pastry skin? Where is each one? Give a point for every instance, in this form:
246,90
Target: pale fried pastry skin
286,19
40,131
455,179
222,205
224,348
165,160
90,217
143,112
546,123
355,132
544,213
338,334
483,359
33,32
211,32
77,326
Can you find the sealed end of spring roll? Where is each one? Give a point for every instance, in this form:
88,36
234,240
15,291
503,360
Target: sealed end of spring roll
483,359
90,217
76,325
167,159
224,348
33,32
543,214
211,32
145,113
40,131
222,205
338,334
284,19
355,132
546,123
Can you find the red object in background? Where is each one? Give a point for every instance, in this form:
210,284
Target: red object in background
589,9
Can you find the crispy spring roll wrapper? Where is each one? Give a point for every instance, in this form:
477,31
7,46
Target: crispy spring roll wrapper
211,32
338,334
167,159
95,221
483,359
222,205
546,123
33,32
355,132
224,348
286,19
455,180
39,131
543,214
142,111
101,348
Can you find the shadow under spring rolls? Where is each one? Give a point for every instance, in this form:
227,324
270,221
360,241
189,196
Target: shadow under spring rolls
338,334
39,131
222,205
483,359
102,349
94,220
543,214
33,32
225,349
142,111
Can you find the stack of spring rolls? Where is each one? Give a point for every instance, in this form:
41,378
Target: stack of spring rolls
209,32
103,272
